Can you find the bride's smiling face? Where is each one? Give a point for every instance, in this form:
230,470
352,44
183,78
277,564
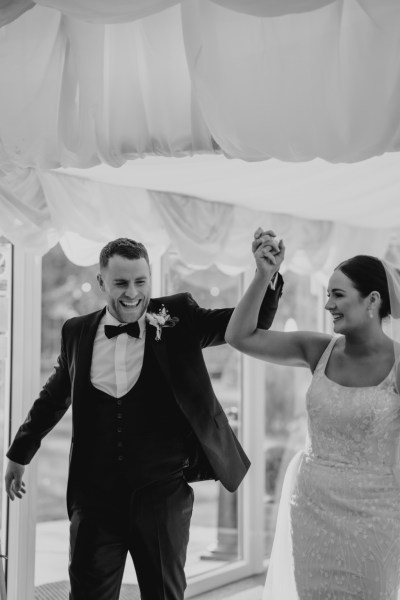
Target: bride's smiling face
345,303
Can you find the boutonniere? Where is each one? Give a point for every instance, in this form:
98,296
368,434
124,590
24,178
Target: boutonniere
160,320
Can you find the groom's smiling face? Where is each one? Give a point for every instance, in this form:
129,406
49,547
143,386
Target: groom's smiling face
127,285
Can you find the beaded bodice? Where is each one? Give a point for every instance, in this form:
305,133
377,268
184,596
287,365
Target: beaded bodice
358,427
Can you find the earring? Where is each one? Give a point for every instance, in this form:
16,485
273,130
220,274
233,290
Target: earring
371,313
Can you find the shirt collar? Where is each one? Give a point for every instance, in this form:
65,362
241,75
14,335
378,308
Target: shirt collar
109,319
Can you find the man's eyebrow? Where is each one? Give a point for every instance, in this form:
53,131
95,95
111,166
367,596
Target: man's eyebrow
336,290
126,279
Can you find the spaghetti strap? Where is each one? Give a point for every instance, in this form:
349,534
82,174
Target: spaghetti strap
321,364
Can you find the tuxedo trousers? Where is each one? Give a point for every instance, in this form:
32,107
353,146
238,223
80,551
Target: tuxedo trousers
151,524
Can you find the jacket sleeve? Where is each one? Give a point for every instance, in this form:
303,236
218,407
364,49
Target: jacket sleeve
269,305
211,324
51,405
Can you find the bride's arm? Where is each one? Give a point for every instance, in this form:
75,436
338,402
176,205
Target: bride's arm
299,348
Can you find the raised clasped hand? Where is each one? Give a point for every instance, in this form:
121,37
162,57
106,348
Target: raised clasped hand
268,252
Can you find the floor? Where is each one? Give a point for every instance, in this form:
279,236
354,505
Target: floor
247,589
51,576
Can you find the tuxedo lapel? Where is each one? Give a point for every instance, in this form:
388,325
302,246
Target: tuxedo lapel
85,350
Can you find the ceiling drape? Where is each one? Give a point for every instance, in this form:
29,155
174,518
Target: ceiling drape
103,11
199,76
297,82
83,214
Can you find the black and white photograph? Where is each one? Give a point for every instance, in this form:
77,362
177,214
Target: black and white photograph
200,300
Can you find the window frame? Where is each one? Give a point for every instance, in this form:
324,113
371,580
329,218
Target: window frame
25,380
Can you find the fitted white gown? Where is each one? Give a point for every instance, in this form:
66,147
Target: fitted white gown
338,526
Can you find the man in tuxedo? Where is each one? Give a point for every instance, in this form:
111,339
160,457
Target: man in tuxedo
145,423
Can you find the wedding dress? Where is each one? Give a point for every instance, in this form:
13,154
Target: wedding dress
338,527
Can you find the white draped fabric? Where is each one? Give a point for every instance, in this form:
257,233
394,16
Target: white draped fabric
251,79
118,11
85,82
83,214
12,9
272,8
364,194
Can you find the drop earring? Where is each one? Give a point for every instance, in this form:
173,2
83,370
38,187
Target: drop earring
371,313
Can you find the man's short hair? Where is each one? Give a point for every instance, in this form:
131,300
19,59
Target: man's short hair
123,247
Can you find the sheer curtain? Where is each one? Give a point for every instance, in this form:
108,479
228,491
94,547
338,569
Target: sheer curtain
85,82
84,214
288,80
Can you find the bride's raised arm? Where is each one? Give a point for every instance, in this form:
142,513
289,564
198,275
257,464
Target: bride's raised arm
300,348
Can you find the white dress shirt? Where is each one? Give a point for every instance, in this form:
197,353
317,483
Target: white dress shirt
272,283
117,361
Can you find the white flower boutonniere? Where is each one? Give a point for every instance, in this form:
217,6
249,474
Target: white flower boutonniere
160,320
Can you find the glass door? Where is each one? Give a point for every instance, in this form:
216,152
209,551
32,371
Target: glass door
67,290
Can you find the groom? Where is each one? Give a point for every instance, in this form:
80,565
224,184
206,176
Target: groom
145,423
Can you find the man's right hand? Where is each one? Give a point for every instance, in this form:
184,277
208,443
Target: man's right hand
15,487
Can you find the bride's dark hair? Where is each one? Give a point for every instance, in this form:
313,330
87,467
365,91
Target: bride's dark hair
368,274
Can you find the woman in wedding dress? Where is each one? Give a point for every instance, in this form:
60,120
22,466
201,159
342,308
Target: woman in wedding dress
338,527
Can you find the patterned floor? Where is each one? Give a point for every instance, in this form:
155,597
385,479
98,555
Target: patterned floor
60,591
249,589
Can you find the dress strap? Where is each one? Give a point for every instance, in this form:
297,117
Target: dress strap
321,364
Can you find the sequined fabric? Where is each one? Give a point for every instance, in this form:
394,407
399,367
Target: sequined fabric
345,505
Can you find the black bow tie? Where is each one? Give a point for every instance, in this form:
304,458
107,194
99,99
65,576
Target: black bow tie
131,329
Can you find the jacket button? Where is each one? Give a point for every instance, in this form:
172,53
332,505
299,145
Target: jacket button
119,402
119,430
120,457
119,415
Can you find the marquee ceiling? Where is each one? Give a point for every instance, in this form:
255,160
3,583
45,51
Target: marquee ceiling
286,107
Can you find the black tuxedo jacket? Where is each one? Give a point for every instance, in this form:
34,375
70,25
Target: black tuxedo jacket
216,452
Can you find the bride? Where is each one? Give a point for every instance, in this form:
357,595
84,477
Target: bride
338,528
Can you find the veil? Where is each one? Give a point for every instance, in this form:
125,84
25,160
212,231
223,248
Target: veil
393,327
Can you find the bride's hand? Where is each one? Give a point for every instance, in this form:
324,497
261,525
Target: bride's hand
268,253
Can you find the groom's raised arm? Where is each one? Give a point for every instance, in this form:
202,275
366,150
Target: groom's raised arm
211,324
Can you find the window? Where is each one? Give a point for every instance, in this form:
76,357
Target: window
67,290
214,537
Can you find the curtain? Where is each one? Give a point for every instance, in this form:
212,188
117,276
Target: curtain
199,76
84,215
364,194
272,8
119,11
12,9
